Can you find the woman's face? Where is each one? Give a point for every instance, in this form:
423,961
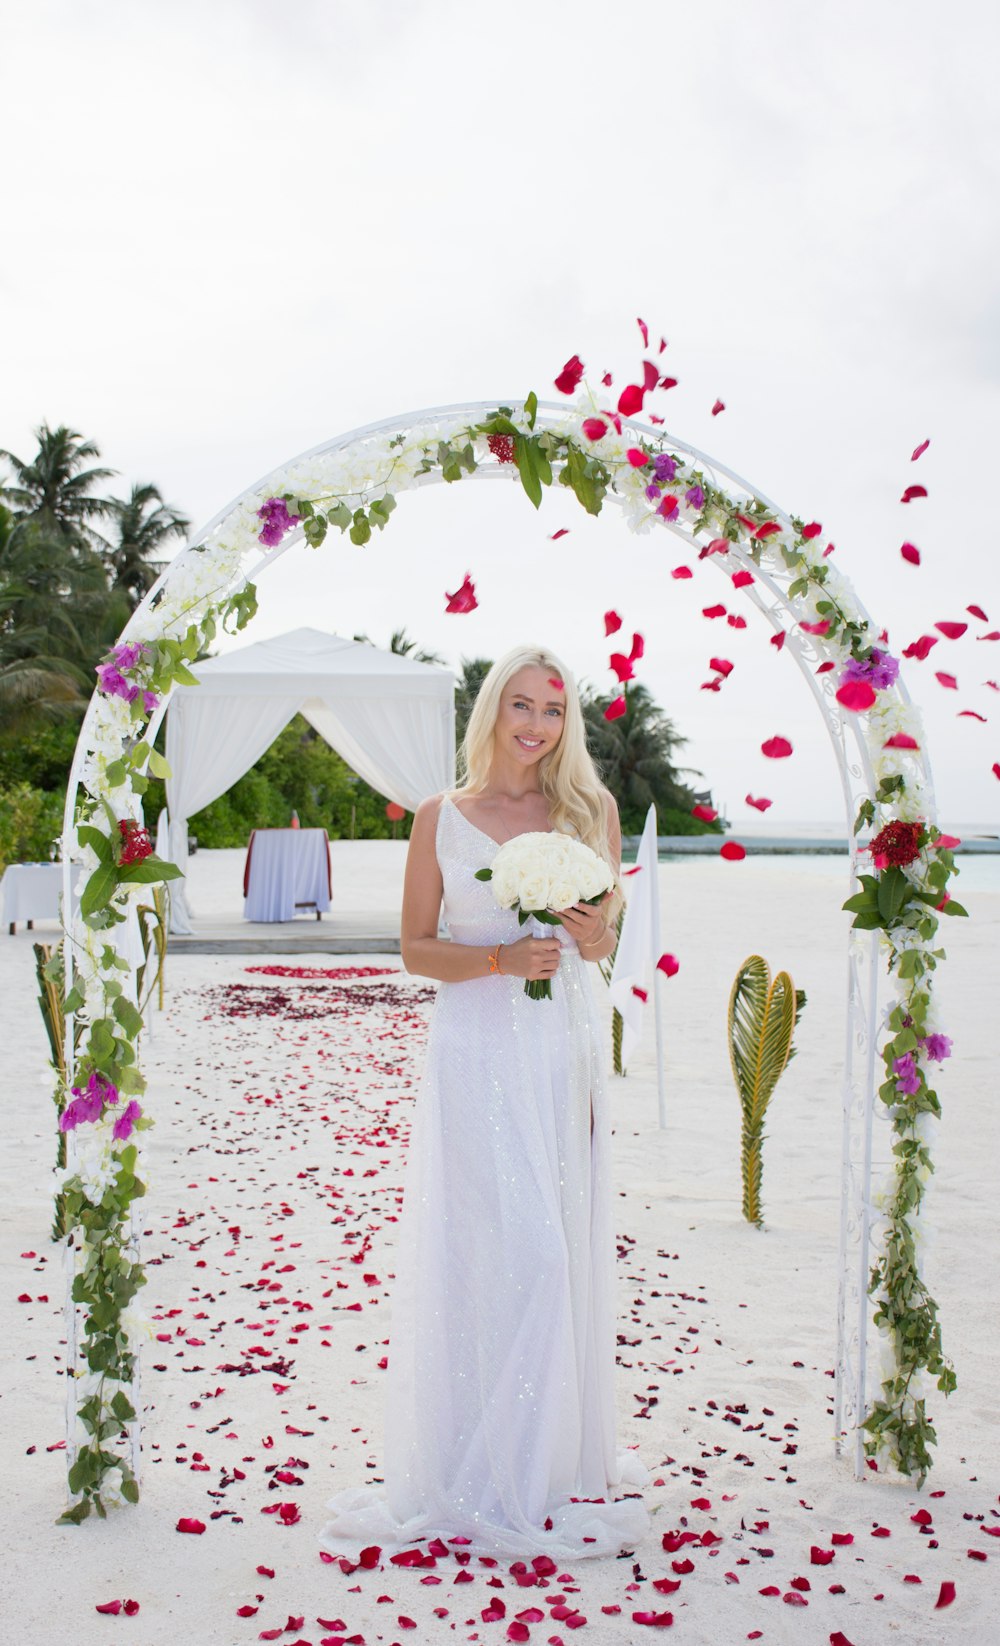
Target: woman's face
531,717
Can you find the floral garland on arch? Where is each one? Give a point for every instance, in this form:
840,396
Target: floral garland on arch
591,452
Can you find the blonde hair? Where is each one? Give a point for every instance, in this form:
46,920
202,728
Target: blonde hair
567,776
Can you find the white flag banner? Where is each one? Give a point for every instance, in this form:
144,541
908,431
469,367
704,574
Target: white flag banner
639,944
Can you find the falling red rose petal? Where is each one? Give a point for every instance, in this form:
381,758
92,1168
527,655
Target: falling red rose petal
776,748
713,611
464,599
722,664
952,631
856,695
946,1596
594,428
977,611
637,458
668,964
910,553
645,332
638,648
705,814
622,666
612,623
919,450
741,579
761,804
947,680
920,648
812,530
570,375
901,740
630,400
733,852
720,406
650,376
913,491
682,571
615,710
562,532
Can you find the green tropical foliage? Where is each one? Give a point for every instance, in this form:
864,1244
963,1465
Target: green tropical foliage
762,1020
635,755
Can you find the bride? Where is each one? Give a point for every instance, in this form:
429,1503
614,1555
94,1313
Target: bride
500,1408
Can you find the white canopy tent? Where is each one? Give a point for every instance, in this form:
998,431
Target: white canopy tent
392,719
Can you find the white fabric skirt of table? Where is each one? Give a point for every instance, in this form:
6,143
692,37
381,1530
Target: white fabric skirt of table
31,892
286,867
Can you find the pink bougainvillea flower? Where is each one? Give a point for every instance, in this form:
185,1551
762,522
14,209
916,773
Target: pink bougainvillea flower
668,964
630,400
813,529
187,1524
704,814
946,1595
645,332
122,1129
622,666
595,428
562,532
856,695
733,852
977,611
682,571
111,1608
615,710
277,521
947,680
612,623
820,627
919,450
720,406
952,631
910,553
760,804
767,530
638,648
111,681
741,579
722,664
920,648
695,497
913,491
638,459
776,748
900,740
650,376
569,378
464,599
713,611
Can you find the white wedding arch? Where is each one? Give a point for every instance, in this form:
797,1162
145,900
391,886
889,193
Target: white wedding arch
351,483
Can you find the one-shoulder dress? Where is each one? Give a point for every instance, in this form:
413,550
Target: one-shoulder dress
499,1414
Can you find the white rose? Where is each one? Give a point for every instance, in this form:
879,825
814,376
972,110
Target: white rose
533,891
561,894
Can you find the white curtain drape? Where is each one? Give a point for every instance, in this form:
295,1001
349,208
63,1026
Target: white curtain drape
395,744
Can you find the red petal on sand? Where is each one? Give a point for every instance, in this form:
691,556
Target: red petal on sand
645,332
637,458
247,1611
838,1638
130,1608
812,530
464,599
189,1525
946,680
722,664
975,1554
562,532
612,623
720,405
630,400
881,1531
570,375
111,1608
668,964
776,748
733,852
920,648
760,804
910,553
288,1514
706,814
946,1596
841,1539
656,1620
265,1571
771,1589
856,695
952,631
713,611
682,1567
793,1598
615,710
518,1631
741,579
913,491
682,571
371,1556
821,1557
666,1585
919,450
901,740
594,428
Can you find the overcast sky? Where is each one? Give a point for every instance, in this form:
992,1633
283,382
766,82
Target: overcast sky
236,229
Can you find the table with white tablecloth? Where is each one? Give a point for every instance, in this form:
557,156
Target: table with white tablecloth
287,870
30,892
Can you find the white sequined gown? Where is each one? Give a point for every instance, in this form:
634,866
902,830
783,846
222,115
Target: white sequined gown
499,1404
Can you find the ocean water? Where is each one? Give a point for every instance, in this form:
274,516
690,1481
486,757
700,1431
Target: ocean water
976,873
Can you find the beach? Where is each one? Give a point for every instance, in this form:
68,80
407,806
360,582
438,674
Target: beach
282,1102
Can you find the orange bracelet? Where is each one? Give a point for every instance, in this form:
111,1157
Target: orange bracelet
494,960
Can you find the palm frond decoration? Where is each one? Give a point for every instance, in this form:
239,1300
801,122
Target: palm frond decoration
762,1020
606,968
51,988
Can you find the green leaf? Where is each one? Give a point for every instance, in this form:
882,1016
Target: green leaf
952,907
527,452
130,1080
128,1016
484,874
130,1490
893,893
98,890
77,1514
116,773
97,840
74,1000
340,516
157,765
531,408
149,872
361,531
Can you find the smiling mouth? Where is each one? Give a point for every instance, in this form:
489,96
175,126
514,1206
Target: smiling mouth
529,742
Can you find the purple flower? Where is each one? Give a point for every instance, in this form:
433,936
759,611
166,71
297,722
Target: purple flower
126,1120
695,496
112,681
277,521
150,701
88,1105
664,467
653,491
907,1075
936,1046
128,654
879,670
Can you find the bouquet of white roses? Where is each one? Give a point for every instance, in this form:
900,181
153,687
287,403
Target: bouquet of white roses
539,873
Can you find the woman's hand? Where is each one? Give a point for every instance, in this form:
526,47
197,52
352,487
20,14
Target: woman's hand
531,957
586,922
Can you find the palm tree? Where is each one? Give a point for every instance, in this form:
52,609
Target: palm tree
143,524
473,672
55,489
635,755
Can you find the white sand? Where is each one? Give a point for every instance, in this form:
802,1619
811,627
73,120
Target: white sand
716,1315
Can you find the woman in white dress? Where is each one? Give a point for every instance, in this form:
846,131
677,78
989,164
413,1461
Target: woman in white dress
500,1409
